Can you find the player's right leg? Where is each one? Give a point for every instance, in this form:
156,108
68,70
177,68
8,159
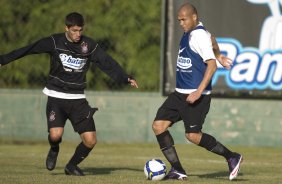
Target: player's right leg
56,119
54,138
167,114
166,143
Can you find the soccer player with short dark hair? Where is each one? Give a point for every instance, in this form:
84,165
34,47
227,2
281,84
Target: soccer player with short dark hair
71,54
190,102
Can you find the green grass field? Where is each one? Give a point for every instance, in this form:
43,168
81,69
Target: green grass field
123,163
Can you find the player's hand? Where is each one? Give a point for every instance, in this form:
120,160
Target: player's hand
225,61
194,96
133,82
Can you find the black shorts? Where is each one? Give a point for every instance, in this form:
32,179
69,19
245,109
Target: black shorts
176,108
77,111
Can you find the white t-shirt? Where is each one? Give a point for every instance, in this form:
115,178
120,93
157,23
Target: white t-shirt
61,95
200,42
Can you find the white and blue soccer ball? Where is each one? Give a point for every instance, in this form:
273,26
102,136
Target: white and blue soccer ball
155,169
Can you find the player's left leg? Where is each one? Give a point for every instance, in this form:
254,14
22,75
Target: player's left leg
211,144
81,152
83,123
193,121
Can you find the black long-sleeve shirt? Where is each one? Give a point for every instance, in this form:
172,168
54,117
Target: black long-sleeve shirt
69,62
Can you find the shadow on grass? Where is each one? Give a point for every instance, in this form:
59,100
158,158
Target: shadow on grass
107,170
218,175
100,171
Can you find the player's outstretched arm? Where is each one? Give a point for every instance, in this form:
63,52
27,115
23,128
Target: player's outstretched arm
223,60
133,82
44,45
1,61
112,68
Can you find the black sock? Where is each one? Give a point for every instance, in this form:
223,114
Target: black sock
80,154
54,144
210,143
166,143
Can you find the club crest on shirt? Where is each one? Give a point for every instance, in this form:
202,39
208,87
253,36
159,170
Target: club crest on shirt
84,47
52,116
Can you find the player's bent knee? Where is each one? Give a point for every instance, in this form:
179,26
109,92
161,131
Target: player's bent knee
193,137
89,139
156,127
56,133
55,137
159,126
90,143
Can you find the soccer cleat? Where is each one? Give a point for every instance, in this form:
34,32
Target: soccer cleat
175,175
234,165
51,159
73,170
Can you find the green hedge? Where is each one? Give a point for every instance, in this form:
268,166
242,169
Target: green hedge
128,30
